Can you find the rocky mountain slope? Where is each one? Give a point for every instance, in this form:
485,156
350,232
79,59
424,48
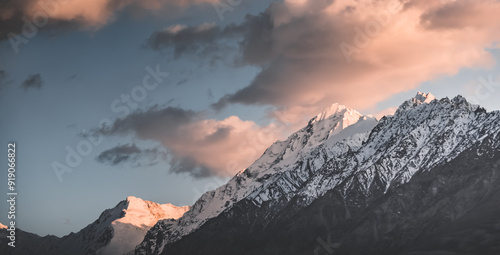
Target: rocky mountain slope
274,177
450,210
351,167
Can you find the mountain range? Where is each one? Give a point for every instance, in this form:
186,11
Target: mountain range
422,181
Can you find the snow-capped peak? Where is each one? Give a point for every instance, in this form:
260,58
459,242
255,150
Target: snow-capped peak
423,98
137,210
419,99
117,230
331,121
131,219
332,109
460,101
134,201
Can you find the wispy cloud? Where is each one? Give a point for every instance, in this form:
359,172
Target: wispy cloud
32,82
130,153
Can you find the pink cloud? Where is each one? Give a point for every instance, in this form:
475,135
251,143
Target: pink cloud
198,146
358,53
223,147
81,14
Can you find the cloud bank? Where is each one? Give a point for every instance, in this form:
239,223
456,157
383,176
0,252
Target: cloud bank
313,53
197,146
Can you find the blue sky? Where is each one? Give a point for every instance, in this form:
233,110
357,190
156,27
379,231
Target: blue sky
83,69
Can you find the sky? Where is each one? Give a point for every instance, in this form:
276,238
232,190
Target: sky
165,100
